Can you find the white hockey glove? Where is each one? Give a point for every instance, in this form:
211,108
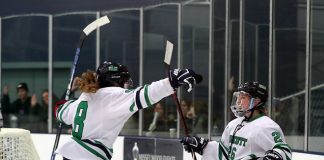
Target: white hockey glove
196,144
272,155
188,77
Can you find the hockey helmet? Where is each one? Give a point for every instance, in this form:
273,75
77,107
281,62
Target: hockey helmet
111,73
249,89
255,89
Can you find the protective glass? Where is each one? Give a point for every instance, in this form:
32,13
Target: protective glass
242,102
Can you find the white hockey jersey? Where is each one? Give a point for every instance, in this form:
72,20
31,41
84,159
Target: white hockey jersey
252,140
97,118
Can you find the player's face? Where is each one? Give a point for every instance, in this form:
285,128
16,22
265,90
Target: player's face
243,100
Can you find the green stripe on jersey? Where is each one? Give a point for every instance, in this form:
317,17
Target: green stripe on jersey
253,157
147,99
222,144
129,90
131,108
63,109
89,149
283,145
220,153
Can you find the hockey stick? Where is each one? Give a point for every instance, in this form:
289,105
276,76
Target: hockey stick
86,31
167,61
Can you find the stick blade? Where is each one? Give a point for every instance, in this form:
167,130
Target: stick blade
96,24
168,53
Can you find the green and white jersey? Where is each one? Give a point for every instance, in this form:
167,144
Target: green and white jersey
97,118
254,138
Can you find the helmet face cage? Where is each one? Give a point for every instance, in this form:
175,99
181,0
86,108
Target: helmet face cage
110,74
251,89
242,102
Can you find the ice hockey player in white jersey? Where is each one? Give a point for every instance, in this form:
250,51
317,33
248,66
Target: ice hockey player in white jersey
104,106
251,136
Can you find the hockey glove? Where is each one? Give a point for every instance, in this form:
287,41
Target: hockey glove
188,77
272,155
196,144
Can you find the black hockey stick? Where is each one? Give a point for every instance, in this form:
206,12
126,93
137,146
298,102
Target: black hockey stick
86,31
167,61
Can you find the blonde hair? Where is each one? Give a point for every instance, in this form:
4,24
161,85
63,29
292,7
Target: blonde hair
88,82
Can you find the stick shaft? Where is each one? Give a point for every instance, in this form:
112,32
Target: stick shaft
176,100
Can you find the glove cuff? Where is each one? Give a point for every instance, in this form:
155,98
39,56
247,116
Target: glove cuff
173,79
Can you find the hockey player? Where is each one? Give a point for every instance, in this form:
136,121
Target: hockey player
252,135
104,106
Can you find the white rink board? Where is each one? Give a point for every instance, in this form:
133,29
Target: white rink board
44,145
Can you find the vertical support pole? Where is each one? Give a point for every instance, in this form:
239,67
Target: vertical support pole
50,73
241,43
179,60
271,53
308,73
97,42
210,67
141,52
227,58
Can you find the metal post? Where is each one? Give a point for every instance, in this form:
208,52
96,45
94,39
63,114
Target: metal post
50,73
227,58
210,67
97,42
241,43
308,73
179,62
271,53
141,55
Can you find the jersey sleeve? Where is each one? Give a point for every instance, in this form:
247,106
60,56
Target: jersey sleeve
217,150
147,95
273,139
62,113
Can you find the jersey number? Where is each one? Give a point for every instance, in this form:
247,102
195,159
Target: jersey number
79,117
276,137
231,155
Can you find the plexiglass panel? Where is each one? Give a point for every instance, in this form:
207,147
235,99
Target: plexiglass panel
160,25
195,55
317,84
234,46
66,33
120,43
289,70
24,72
218,78
256,41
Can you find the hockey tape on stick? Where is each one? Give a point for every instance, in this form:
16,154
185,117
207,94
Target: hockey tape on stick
96,24
86,31
168,53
